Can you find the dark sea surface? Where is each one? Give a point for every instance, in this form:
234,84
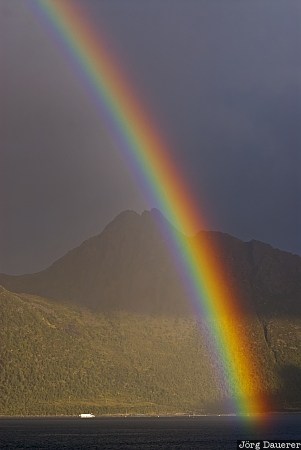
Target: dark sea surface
148,433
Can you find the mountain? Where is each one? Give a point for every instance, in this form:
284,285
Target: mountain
108,328
129,267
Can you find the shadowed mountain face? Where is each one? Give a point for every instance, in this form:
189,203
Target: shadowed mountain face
267,278
129,267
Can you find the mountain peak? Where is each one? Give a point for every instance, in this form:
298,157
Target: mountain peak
129,266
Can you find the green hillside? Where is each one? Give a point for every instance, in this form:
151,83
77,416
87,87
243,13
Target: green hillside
55,359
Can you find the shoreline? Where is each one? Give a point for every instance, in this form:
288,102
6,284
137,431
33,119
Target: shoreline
147,416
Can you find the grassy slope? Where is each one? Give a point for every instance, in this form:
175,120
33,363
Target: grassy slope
56,359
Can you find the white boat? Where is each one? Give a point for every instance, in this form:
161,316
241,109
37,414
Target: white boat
86,416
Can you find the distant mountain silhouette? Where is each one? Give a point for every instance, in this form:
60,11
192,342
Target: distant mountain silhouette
129,267
126,267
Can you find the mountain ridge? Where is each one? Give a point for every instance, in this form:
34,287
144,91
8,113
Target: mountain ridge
130,266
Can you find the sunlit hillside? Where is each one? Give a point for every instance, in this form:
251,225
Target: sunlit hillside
61,360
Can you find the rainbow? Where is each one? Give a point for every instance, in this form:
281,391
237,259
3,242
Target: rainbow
131,126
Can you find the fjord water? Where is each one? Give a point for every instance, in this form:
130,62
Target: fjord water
149,433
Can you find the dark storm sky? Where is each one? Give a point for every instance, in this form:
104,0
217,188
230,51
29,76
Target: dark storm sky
222,79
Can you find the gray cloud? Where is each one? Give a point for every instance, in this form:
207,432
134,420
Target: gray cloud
222,81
